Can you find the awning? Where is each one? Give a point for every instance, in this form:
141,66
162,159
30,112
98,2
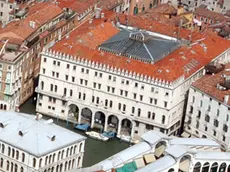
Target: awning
159,151
129,167
140,162
185,135
149,158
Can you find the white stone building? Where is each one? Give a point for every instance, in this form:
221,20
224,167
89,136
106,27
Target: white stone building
160,153
104,93
29,144
208,109
213,5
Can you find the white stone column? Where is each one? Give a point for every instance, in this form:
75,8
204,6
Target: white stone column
79,115
119,126
132,129
106,123
92,120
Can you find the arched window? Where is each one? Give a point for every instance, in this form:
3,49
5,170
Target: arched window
71,151
22,169
163,119
46,160
69,166
78,162
149,114
207,118
61,167
225,128
52,169
66,163
139,112
57,168
3,148
80,147
7,165
40,162
15,168
12,166
4,107
59,155
23,157
50,158
9,151
153,116
42,85
133,110
54,155
74,150
73,161
13,153
34,162
216,123
67,152
1,163
17,154
62,155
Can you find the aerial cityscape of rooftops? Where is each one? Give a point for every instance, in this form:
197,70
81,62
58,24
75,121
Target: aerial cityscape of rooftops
153,74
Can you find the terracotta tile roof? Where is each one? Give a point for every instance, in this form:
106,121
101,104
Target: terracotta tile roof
78,6
40,14
169,68
166,8
209,14
109,4
208,84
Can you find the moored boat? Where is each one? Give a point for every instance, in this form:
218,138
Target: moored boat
97,136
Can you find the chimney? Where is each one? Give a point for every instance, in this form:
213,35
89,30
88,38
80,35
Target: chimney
90,21
102,15
226,97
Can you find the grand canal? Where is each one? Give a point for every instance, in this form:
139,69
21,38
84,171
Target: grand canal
95,151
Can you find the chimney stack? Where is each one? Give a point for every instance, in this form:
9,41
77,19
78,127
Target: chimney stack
226,98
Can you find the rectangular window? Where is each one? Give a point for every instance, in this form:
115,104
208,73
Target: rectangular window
87,71
81,81
82,70
94,85
84,95
93,99
58,63
121,92
165,104
108,89
126,93
57,74
66,77
99,86
155,101
150,100
73,79
113,89
44,60
71,93
100,75
74,67
95,74
110,77
43,71
53,73
86,82
136,84
67,66
141,97
54,62
134,95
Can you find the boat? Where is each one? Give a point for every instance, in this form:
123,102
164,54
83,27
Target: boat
127,139
109,134
83,127
97,136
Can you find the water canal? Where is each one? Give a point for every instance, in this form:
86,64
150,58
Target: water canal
95,151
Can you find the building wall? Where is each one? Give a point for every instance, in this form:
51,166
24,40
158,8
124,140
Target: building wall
68,158
142,5
5,8
207,117
155,106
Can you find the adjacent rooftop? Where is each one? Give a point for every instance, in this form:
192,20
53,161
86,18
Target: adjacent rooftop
216,83
35,136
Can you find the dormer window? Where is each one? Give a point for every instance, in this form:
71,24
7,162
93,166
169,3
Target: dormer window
20,133
53,138
2,125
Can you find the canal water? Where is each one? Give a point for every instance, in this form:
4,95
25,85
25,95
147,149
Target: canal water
95,151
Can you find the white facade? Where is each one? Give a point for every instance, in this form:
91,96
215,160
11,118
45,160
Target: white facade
208,118
67,84
211,4
32,150
6,7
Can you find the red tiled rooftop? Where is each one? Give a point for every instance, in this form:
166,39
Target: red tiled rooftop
166,8
170,68
40,14
208,85
209,14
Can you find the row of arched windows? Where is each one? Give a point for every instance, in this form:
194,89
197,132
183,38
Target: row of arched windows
213,167
51,158
68,165
10,166
12,153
